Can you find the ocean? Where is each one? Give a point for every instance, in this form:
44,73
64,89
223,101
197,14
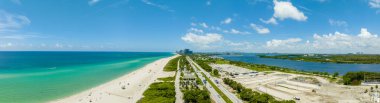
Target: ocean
34,77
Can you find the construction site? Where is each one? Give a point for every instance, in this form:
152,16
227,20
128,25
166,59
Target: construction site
301,88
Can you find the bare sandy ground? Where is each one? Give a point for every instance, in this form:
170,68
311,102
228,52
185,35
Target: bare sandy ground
126,89
280,85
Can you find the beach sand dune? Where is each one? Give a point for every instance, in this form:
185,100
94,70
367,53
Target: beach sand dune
126,89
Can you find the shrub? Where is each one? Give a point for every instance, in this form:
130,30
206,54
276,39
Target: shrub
196,96
172,64
166,79
160,92
252,96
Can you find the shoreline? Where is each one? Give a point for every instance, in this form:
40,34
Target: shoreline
127,88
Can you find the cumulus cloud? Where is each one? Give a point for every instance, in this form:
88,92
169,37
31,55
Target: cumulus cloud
260,29
374,3
286,10
269,21
226,21
234,31
239,46
195,30
203,25
340,23
287,42
202,40
365,34
214,41
329,43
10,21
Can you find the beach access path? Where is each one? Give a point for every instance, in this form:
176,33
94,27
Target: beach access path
179,94
125,89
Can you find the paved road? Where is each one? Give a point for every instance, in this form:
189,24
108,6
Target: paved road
230,95
178,93
213,94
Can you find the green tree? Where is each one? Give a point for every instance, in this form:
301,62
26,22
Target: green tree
215,72
336,74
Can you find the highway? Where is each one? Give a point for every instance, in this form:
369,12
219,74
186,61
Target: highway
230,95
213,94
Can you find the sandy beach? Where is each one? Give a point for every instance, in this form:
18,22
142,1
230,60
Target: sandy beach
125,89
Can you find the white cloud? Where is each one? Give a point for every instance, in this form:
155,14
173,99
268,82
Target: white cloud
282,43
93,2
226,21
374,3
260,29
285,10
239,46
269,21
18,37
57,45
340,23
234,31
6,45
12,21
162,7
202,40
365,34
215,28
203,25
206,37
329,43
195,30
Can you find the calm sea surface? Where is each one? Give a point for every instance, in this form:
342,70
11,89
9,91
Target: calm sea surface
27,77
307,66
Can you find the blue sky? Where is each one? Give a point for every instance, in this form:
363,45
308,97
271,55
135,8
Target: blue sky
286,26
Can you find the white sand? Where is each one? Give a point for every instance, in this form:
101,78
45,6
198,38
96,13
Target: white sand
135,84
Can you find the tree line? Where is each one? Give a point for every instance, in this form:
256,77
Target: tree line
250,96
356,78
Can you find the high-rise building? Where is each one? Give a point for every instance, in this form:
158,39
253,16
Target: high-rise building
185,52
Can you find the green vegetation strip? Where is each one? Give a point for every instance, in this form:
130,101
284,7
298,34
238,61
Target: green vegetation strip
208,68
252,96
172,64
162,92
167,79
225,98
356,78
331,58
196,96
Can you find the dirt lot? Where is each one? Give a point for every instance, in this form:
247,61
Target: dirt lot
310,89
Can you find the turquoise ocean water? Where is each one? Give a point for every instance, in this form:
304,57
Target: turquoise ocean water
34,77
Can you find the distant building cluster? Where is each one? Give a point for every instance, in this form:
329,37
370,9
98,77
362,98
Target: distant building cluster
185,52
